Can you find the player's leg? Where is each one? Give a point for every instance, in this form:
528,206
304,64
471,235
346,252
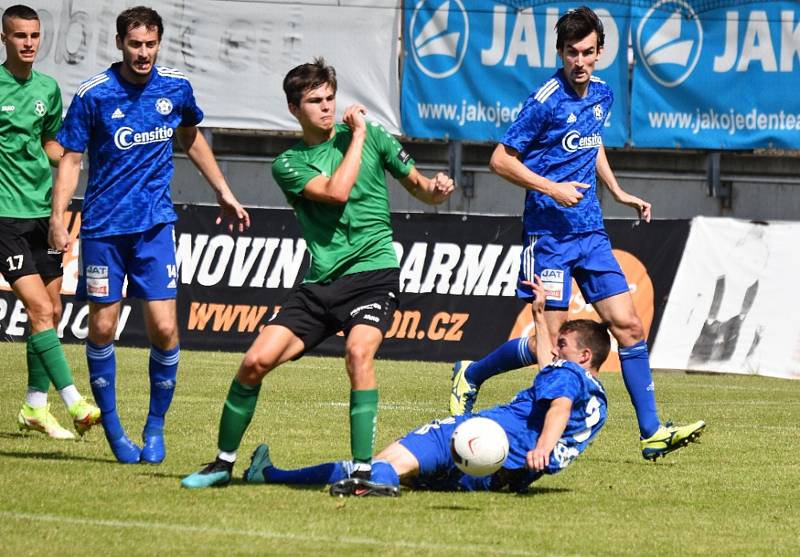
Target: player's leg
275,345
263,471
153,278
538,253
162,330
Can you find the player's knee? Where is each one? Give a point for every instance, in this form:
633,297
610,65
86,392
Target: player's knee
41,314
629,331
358,356
164,335
255,366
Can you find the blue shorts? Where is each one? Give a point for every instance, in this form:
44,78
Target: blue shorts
586,257
146,258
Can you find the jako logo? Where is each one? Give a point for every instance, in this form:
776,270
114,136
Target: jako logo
439,37
125,138
669,41
574,141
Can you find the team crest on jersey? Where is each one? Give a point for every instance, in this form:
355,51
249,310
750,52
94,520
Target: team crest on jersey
598,112
164,106
39,108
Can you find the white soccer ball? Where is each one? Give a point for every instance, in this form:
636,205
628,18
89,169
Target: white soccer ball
479,446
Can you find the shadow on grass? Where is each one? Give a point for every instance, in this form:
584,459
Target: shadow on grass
53,456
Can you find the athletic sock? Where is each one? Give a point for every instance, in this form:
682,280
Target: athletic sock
163,372
328,473
240,405
102,378
635,362
384,473
47,347
38,381
512,354
70,395
363,420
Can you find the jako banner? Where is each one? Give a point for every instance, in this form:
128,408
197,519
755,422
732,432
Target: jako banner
470,64
719,79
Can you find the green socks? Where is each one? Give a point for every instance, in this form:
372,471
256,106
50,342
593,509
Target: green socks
363,419
37,374
236,415
46,347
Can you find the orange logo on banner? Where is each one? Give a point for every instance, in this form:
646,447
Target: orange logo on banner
641,289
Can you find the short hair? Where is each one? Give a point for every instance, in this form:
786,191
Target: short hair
307,77
136,17
19,11
577,24
592,335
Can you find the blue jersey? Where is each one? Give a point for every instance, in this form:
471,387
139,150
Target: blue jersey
128,130
523,418
557,135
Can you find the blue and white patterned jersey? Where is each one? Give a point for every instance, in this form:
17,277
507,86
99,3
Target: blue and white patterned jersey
523,417
128,130
557,134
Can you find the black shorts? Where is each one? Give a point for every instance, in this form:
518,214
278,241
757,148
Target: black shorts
314,312
24,250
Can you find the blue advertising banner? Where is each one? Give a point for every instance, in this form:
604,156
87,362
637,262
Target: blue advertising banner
470,64
720,79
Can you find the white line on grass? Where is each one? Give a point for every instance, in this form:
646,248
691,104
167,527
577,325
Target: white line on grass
264,534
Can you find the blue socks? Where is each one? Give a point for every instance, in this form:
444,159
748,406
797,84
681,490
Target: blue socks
512,354
163,371
328,473
635,362
102,378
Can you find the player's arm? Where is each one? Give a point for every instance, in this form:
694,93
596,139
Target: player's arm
336,188
53,150
555,422
506,164
199,152
428,190
69,169
544,342
606,175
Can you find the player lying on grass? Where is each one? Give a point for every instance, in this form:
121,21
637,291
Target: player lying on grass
548,425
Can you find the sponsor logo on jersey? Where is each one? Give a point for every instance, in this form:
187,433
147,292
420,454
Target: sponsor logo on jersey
39,108
117,114
573,141
163,106
439,34
571,119
403,156
670,47
553,284
96,271
125,137
8,108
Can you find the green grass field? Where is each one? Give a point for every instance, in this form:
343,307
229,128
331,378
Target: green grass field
735,493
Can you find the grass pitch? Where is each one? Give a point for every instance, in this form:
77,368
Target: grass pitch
735,493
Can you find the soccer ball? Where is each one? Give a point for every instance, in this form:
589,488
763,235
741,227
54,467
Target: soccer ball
479,446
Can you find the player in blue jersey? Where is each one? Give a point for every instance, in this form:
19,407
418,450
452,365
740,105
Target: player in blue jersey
548,425
554,150
127,117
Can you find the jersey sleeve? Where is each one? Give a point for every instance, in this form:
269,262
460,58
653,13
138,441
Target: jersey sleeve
292,175
74,134
529,125
556,381
395,158
52,120
191,114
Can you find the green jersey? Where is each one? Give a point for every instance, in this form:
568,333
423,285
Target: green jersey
355,236
29,111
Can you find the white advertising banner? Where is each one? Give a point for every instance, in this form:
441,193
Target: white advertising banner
732,307
236,53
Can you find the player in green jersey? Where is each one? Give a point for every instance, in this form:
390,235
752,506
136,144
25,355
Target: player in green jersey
334,180
30,116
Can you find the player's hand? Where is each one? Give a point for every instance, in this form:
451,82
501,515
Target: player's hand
537,459
232,214
568,194
537,305
441,187
641,206
354,118
58,237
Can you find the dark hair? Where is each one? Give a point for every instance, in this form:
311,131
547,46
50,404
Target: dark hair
577,24
136,17
592,335
306,77
19,11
